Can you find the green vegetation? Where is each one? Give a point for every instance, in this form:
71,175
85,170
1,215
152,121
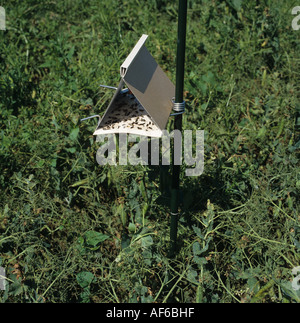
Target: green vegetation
74,231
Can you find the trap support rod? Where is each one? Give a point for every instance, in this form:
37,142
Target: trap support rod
180,61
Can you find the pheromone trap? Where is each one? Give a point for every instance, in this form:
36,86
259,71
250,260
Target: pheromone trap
143,108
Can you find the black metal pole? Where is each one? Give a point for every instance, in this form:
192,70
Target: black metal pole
180,61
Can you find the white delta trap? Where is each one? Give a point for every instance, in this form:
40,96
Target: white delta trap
144,107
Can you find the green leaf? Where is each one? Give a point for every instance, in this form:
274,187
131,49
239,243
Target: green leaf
289,291
198,232
237,4
15,288
192,276
196,248
297,244
200,260
93,238
131,227
125,242
71,150
71,52
46,64
146,241
262,132
253,284
85,278
85,295
74,134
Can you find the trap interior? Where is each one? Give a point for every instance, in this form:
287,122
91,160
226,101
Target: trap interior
127,115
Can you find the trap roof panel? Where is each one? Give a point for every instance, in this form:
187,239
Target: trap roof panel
144,107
